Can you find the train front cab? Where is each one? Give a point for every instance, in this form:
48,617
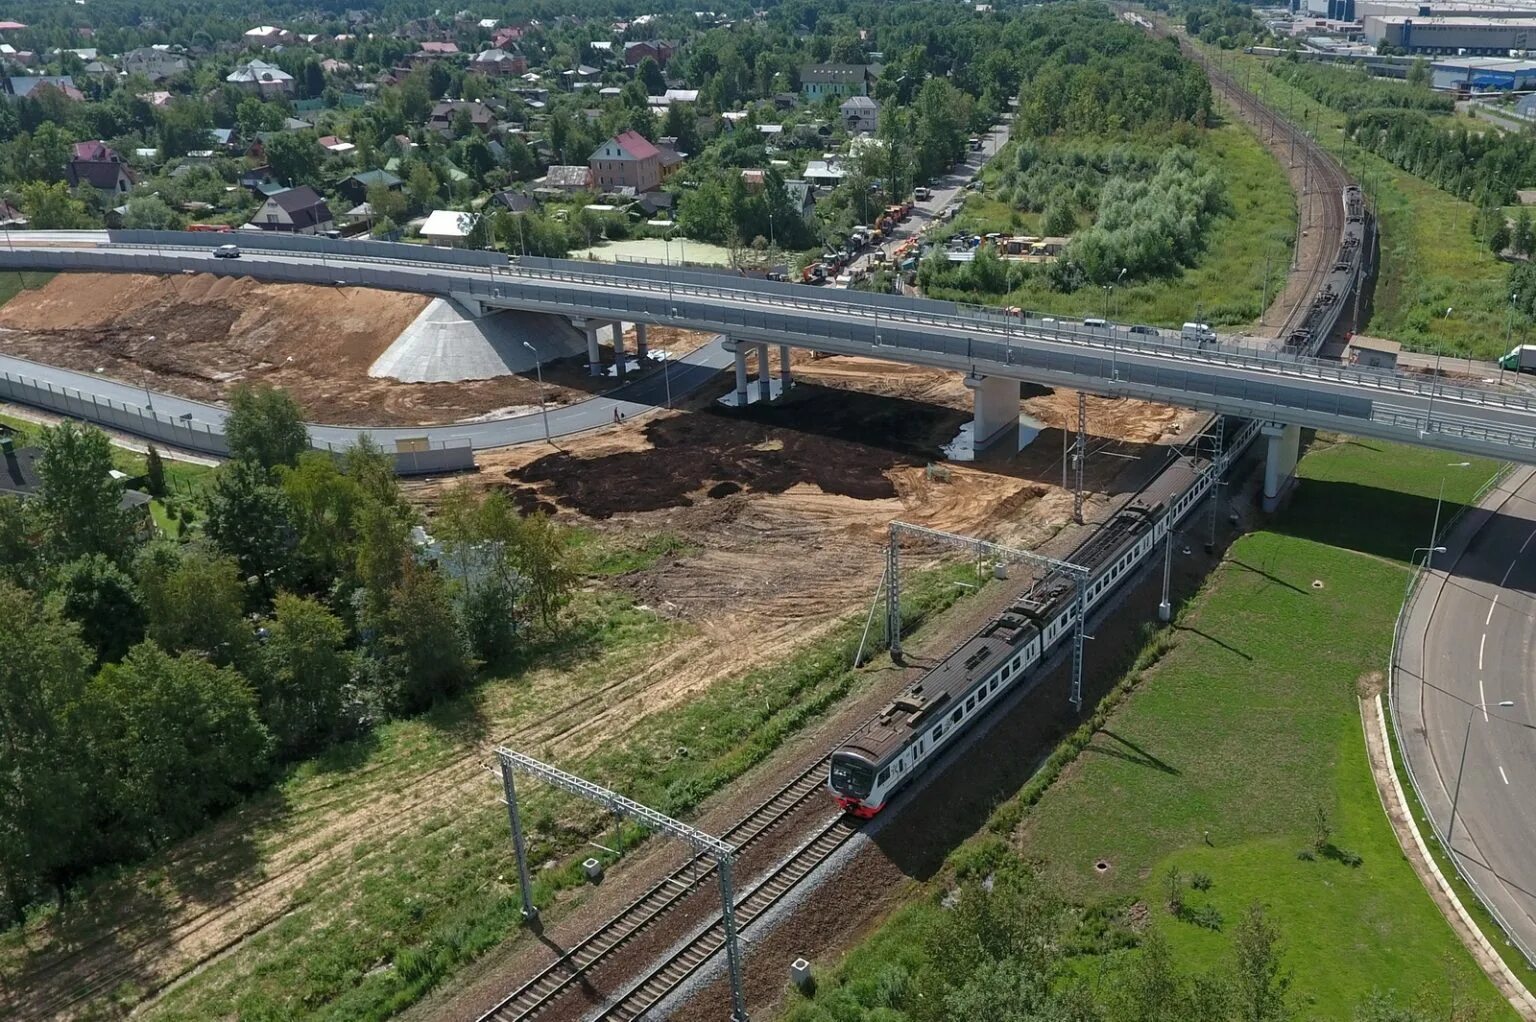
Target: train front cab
852,779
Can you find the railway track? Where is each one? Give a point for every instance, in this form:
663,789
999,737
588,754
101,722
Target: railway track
645,993
538,993
670,973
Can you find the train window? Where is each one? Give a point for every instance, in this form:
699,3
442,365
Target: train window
885,775
954,718
970,704
938,732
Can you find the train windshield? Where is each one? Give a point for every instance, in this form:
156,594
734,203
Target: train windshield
851,776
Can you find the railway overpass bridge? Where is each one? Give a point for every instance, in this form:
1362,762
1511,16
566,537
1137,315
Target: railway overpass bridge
994,350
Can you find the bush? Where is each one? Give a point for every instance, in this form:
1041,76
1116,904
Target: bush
1200,881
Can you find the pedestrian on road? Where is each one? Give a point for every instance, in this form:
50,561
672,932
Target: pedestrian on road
618,416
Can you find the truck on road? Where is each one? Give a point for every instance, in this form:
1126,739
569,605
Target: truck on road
1521,359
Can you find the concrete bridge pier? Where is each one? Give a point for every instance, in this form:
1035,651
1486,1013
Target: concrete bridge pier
740,351
594,354
995,400
618,350
1280,461
764,374
641,351
784,380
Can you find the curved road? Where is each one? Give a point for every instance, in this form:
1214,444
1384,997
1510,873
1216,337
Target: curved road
1468,642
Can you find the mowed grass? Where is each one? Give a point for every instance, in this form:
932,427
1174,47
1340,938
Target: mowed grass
1429,260
1248,733
432,885
1226,286
1227,753
13,282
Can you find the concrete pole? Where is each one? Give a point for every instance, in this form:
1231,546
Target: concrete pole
641,351
594,355
618,349
741,375
764,374
784,365
1165,608
509,792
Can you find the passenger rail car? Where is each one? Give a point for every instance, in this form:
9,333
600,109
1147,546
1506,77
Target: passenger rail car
897,744
1308,335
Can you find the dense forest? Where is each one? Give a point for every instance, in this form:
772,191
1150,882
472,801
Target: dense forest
1482,166
145,684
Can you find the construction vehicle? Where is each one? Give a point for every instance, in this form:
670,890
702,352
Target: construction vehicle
1521,359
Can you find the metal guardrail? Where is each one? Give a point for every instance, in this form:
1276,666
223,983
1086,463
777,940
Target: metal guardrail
1397,729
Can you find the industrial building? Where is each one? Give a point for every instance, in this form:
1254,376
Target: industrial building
1463,36
1483,74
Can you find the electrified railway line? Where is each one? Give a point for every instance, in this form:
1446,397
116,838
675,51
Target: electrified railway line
1305,328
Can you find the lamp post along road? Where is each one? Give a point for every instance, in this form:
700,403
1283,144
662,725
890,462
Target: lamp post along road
538,366
1434,530
1450,829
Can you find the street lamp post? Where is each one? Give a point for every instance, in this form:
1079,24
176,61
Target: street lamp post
1165,608
538,366
1509,332
1466,740
1434,531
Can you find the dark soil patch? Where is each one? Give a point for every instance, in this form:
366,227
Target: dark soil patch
843,442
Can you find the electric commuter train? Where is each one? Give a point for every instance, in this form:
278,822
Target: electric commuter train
895,746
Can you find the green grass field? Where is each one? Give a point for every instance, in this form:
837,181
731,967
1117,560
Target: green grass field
1429,260
1227,285
12,284
1222,760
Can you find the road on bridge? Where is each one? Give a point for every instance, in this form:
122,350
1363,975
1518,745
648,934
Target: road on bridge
1468,640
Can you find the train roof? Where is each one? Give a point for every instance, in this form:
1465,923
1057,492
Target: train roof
1039,596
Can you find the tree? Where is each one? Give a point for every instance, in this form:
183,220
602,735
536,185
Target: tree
324,502
313,77
254,117
81,502
1261,981
266,426
154,472
422,186
416,640
22,532
50,207
195,603
476,157
1499,238
1059,221
304,674
44,667
102,599
184,127
150,212
649,75
1524,238
1419,73
179,737
294,156
251,520
386,203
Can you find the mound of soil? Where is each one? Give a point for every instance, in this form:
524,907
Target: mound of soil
844,443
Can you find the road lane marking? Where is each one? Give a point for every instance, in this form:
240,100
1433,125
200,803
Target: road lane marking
1481,643
1503,775
1489,619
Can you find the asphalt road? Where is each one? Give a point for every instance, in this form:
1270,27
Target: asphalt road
678,379
1468,643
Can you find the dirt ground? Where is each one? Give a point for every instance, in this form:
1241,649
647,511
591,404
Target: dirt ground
200,335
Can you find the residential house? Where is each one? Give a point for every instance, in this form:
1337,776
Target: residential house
515,201
861,115
659,51
434,50
19,477
100,69
335,146
481,118
802,196
332,66
355,186
299,210
269,36
507,36
98,165
842,80
153,63
158,98
499,62
27,85
670,161
448,228
259,181
824,172
262,79
627,160
568,179
11,216
671,96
